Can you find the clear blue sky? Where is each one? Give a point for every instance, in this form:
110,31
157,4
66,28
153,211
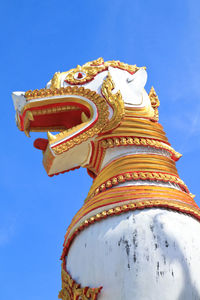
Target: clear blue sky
39,38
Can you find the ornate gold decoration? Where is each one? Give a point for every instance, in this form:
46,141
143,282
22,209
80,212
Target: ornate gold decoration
122,199
91,69
55,81
99,61
138,127
102,144
139,175
136,141
73,291
123,66
115,101
99,101
102,120
54,110
43,93
155,103
140,112
146,164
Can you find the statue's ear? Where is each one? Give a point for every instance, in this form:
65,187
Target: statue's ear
138,80
130,86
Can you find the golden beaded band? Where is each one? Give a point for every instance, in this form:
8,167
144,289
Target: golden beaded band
100,146
137,141
141,163
151,176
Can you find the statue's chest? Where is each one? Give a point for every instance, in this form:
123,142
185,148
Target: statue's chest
149,254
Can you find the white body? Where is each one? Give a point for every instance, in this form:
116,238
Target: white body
152,254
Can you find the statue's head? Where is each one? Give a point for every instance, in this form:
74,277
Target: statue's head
78,106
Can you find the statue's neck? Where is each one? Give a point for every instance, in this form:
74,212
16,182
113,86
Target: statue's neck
130,158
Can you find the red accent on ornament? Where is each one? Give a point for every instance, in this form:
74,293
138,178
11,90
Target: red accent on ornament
41,144
91,174
80,75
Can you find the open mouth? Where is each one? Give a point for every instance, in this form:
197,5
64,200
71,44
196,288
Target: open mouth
65,118
70,116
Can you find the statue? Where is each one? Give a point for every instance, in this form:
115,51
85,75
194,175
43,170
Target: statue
137,233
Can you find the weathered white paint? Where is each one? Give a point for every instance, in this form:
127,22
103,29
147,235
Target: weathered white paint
143,255
19,100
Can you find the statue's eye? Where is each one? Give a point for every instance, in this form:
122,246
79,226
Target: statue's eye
79,75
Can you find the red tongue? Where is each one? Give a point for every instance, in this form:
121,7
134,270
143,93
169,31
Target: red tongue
41,144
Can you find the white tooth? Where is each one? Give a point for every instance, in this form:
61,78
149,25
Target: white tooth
27,128
30,115
84,118
26,131
50,136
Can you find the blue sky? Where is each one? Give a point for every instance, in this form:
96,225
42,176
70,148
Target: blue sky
39,38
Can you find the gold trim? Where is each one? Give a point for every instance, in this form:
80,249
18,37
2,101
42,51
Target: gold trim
140,112
91,69
138,132
134,163
110,196
131,140
129,198
155,103
97,62
139,175
139,205
115,101
55,81
102,120
54,110
71,290
139,127
89,72
143,124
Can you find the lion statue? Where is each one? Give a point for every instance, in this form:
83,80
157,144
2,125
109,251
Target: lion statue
137,234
